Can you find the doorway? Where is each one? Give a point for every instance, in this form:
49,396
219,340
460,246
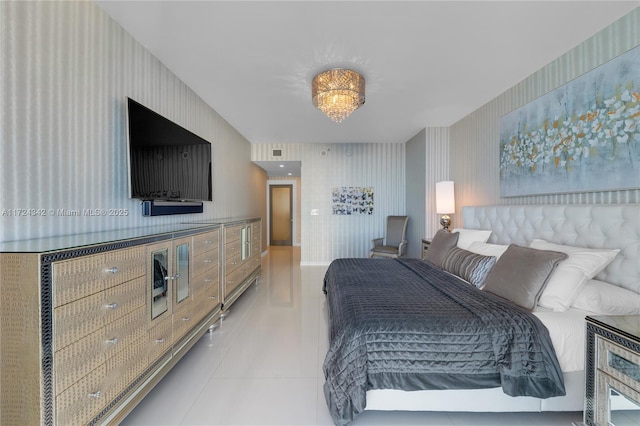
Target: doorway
281,214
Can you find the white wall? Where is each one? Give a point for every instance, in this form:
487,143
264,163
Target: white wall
66,71
327,236
475,139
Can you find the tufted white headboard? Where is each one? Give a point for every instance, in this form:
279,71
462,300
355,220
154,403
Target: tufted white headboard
592,226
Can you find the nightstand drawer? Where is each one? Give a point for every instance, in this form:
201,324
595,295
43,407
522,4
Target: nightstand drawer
619,363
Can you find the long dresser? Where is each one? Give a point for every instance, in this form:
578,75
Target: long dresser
90,323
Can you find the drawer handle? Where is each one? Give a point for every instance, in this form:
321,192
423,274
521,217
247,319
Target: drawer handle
208,241
113,270
172,277
234,263
230,281
208,261
207,280
212,297
185,319
95,395
111,305
159,340
112,341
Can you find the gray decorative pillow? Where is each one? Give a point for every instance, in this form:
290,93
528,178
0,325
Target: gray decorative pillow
471,267
442,242
521,274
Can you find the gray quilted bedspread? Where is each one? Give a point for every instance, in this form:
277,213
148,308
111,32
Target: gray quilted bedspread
403,324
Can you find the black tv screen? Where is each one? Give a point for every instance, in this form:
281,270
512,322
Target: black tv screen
166,161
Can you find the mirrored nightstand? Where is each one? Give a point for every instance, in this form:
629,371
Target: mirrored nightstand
613,371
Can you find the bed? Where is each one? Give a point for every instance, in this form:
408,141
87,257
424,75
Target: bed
540,368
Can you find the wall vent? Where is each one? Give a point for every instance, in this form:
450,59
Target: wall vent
277,153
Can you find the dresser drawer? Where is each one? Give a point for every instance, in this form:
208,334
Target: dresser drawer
76,320
232,233
233,248
206,303
205,242
183,319
233,280
125,331
204,262
125,366
160,339
125,265
232,262
78,278
618,362
78,359
81,402
204,281
124,298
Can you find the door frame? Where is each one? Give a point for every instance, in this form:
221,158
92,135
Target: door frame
294,208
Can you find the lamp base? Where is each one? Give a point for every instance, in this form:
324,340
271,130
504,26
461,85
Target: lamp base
445,221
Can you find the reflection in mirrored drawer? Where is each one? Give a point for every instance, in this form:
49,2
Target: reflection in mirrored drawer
623,411
624,366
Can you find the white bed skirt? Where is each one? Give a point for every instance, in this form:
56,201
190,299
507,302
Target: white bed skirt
478,400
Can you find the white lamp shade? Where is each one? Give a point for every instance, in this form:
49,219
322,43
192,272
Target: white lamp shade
445,199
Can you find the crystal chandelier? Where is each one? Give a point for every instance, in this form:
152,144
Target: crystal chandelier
338,92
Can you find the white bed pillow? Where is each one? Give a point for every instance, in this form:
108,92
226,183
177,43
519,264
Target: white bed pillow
607,299
468,236
488,249
572,274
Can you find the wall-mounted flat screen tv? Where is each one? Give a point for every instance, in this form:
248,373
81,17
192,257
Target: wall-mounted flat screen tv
166,161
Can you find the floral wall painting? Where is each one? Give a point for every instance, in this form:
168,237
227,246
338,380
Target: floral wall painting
583,136
348,200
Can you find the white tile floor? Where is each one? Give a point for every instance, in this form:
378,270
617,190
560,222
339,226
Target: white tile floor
263,365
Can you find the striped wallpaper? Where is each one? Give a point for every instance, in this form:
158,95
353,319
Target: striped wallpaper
67,69
475,139
326,236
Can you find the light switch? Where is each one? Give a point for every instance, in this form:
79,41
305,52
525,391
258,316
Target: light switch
315,212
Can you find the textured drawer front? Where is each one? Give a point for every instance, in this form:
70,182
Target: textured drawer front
79,359
206,303
205,242
183,319
256,247
256,237
76,320
78,278
125,264
125,366
124,298
160,339
233,248
204,281
82,401
233,280
125,331
252,264
204,262
232,262
232,233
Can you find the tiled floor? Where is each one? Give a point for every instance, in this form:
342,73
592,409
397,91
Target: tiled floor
262,366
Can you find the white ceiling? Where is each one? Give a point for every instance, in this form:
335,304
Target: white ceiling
426,63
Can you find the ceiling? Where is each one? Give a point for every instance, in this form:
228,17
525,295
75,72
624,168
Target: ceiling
426,63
